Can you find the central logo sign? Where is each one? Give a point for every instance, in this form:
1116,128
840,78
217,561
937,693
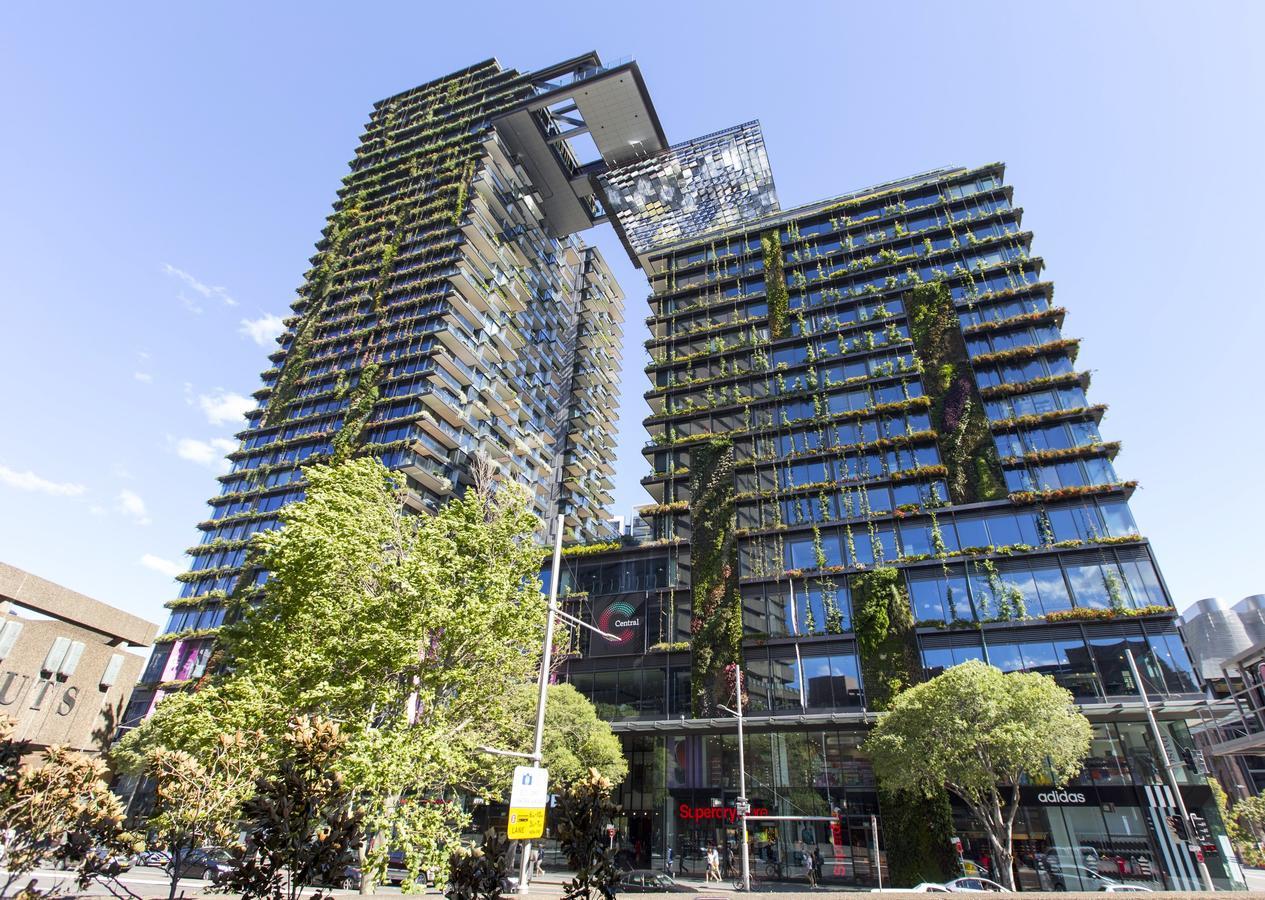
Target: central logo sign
621,620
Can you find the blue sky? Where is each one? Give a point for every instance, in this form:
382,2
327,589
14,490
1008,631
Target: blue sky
168,168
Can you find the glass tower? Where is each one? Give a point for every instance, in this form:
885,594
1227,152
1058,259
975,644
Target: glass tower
865,403
450,314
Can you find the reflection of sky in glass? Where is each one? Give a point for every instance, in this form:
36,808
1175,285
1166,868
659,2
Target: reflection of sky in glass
713,182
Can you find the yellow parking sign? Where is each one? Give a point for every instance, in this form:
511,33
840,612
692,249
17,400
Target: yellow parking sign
526,824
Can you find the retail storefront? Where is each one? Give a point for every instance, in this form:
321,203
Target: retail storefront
1110,824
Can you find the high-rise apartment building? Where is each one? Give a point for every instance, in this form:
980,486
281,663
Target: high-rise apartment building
873,456
449,313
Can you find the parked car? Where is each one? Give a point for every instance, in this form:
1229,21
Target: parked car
397,872
206,862
1121,887
158,859
648,881
1079,878
972,884
929,887
110,863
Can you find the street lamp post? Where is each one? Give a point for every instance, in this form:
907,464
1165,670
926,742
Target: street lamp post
1204,875
742,802
542,695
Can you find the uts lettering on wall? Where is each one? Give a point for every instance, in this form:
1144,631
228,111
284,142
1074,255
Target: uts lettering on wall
16,688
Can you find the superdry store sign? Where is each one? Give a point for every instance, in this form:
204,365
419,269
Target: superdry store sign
728,814
625,622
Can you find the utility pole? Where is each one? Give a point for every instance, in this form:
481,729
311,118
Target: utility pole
878,863
542,691
1204,875
742,804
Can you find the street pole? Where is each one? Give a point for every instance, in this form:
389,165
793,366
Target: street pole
878,865
742,785
543,685
1204,875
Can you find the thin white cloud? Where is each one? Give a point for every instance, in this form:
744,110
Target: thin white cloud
224,407
29,481
161,566
131,505
264,330
204,453
143,377
209,291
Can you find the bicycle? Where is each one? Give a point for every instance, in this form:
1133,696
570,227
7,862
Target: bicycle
771,870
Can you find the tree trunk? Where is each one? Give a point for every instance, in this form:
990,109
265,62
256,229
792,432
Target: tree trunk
366,881
174,871
999,833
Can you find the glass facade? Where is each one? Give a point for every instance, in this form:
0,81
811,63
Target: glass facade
444,319
799,340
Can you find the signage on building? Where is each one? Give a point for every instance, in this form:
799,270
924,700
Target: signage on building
625,621
1061,798
528,799
688,813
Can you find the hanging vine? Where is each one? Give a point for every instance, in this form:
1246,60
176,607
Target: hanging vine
921,826
716,615
775,283
965,440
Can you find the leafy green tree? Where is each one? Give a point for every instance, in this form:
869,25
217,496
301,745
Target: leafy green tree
409,631
977,732
575,739
197,804
584,812
302,828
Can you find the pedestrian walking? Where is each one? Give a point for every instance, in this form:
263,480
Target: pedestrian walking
668,860
713,864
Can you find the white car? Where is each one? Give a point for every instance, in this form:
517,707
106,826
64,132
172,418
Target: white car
973,884
929,887
1120,887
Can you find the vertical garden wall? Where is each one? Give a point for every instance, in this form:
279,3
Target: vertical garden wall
716,611
918,828
966,443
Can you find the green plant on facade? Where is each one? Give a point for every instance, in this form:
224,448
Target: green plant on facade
362,399
965,439
775,283
716,612
918,827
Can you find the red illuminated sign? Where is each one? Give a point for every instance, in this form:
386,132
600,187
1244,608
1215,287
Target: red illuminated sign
706,813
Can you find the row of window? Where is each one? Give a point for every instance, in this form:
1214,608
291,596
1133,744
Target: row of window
832,505
1078,521
1019,372
1036,403
781,681
1069,473
1055,436
996,341
929,196
209,616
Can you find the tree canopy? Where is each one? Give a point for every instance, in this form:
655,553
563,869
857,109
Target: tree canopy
977,732
418,635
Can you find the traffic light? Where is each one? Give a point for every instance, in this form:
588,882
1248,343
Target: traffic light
1177,827
1203,834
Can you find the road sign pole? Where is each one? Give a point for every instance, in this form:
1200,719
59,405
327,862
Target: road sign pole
742,783
1205,876
542,691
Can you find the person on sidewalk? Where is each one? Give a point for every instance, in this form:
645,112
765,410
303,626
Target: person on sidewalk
668,860
713,864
